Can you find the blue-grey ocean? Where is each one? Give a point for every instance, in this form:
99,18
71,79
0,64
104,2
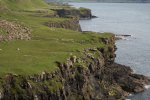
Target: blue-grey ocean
125,18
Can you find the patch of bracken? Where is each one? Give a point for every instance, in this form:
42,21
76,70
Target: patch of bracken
13,31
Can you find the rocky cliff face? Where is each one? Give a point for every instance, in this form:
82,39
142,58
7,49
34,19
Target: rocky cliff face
71,23
73,15
82,13
91,76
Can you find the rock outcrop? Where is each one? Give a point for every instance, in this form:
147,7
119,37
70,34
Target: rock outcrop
91,76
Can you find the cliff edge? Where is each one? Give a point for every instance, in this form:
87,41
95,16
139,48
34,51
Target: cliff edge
93,75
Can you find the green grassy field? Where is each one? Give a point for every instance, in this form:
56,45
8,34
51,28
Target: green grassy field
47,44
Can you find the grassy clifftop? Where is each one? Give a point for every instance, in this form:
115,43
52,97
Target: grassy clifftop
23,4
45,46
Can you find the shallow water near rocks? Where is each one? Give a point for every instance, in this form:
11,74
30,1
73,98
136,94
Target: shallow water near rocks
125,18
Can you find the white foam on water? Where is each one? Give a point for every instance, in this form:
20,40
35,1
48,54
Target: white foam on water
133,71
147,86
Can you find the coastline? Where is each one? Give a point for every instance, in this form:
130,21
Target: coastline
92,74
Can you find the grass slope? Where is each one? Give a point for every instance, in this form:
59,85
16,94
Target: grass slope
23,4
47,44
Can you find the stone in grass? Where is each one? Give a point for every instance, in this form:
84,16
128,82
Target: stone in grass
18,49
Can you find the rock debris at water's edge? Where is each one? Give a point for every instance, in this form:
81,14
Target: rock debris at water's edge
122,37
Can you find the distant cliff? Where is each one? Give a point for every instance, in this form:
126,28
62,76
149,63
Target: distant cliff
72,24
125,1
71,18
81,13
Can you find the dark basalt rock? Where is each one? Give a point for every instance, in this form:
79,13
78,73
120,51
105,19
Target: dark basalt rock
94,16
